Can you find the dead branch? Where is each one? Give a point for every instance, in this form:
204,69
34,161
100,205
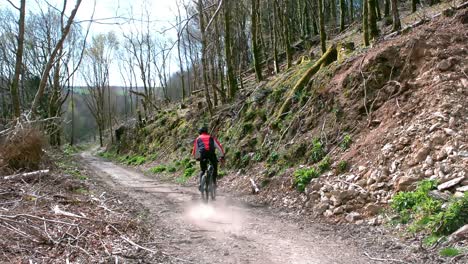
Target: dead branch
380,259
23,176
255,188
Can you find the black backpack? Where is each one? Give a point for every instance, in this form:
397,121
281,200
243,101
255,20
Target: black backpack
204,153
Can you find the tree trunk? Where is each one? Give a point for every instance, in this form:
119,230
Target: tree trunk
377,10
72,136
203,59
396,16
323,35
51,60
286,34
219,64
255,47
387,8
275,40
342,14
15,101
231,79
413,5
365,22
351,10
374,32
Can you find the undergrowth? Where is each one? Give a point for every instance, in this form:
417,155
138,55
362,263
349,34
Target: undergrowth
424,213
303,176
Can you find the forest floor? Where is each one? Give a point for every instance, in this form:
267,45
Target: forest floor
231,231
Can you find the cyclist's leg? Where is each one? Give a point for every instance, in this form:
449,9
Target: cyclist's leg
214,162
203,168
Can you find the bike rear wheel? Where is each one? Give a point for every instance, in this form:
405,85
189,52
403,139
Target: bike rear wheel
204,188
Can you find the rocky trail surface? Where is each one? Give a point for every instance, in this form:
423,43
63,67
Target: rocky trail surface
228,231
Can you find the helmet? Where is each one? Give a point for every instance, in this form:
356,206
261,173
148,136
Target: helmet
203,129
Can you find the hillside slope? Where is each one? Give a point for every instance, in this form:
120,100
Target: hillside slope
374,122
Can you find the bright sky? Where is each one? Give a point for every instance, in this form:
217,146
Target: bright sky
162,12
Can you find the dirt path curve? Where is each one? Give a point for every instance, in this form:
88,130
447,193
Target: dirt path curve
225,231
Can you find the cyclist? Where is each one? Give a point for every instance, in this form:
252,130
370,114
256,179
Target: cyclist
204,148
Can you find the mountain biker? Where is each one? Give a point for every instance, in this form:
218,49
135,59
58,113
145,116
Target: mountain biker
204,148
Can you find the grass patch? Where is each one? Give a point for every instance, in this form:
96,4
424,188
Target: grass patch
449,252
135,160
303,176
158,169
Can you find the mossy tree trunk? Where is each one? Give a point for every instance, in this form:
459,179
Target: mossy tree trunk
413,5
365,22
373,30
377,10
231,79
351,10
387,8
328,57
286,34
396,16
342,14
274,28
255,46
323,34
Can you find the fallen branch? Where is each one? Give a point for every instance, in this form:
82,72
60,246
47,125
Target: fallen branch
22,176
380,259
255,188
136,245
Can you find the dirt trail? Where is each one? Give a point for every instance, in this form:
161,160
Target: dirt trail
225,231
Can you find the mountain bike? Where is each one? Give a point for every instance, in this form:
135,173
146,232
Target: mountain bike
208,189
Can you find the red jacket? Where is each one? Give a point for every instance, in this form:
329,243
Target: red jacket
202,143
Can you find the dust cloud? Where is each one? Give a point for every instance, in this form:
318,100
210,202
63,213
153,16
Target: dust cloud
216,216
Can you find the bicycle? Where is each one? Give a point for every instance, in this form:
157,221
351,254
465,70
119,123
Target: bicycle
207,185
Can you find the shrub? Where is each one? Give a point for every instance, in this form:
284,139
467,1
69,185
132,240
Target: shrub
427,214
453,217
158,169
23,149
274,157
172,169
247,128
325,164
258,157
346,142
342,166
317,152
250,115
303,176
188,172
